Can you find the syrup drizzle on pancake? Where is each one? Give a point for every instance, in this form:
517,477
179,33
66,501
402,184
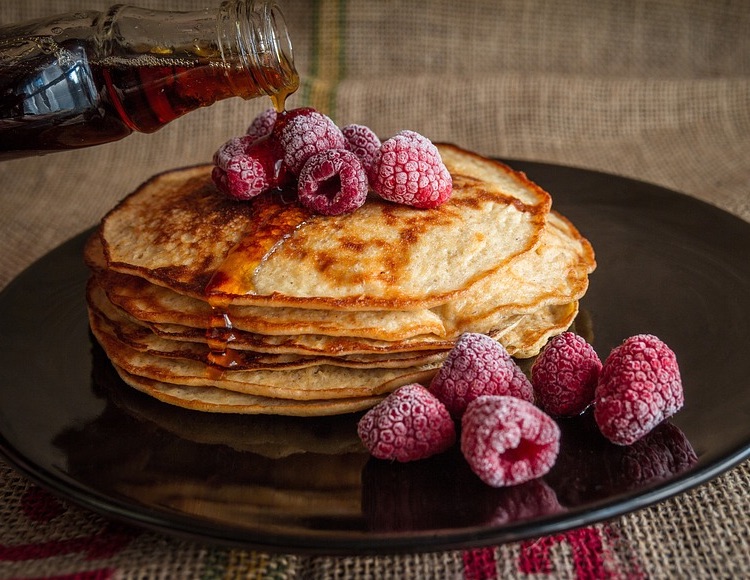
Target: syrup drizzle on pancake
218,337
273,223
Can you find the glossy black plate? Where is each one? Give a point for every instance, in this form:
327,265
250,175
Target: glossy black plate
668,265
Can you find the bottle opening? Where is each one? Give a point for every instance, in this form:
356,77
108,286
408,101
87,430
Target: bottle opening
259,43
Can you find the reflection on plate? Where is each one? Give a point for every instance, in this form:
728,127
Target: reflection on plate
668,265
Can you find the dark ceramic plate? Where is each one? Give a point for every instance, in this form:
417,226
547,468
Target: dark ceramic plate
668,265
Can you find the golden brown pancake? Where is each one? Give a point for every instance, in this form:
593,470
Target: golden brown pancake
262,308
555,271
307,383
142,338
216,400
178,231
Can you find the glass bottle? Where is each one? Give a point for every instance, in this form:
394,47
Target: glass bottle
82,79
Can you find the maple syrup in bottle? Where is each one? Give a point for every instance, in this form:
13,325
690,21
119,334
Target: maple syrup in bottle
88,78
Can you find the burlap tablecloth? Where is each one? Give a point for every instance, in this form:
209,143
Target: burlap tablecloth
654,90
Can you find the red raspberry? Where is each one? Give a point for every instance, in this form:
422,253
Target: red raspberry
363,142
564,375
244,179
478,365
409,424
262,125
304,132
332,182
639,386
408,169
508,441
232,148
520,386
245,167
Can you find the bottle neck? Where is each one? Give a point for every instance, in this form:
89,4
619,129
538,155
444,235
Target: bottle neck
252,34
187,60
82,79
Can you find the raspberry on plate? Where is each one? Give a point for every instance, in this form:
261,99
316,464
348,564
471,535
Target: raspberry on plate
565,374
408,169
478,365
639,386
409,424
304,132
332,182
507,440
363,142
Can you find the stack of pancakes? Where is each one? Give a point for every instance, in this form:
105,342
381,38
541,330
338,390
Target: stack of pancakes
263,307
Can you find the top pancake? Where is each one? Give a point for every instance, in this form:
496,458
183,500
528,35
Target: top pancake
178,231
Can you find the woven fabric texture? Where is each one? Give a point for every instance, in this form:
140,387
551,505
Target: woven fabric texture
656,90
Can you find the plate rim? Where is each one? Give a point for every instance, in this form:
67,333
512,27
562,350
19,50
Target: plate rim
183,525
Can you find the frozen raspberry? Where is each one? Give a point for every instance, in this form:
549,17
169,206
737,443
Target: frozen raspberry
639,386
245,167
478,365
237,172
332,182
304,132
564,375
234,147
520,386
262,125
363,142
409,424
408,169
242,180
507,440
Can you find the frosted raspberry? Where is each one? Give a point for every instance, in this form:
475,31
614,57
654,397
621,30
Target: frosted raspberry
409,424
408,169
363,142
304,132
639,386
234,147
245,167
520,386
244,179
564,375
332,182
478,365
262,125
507,440
237,172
